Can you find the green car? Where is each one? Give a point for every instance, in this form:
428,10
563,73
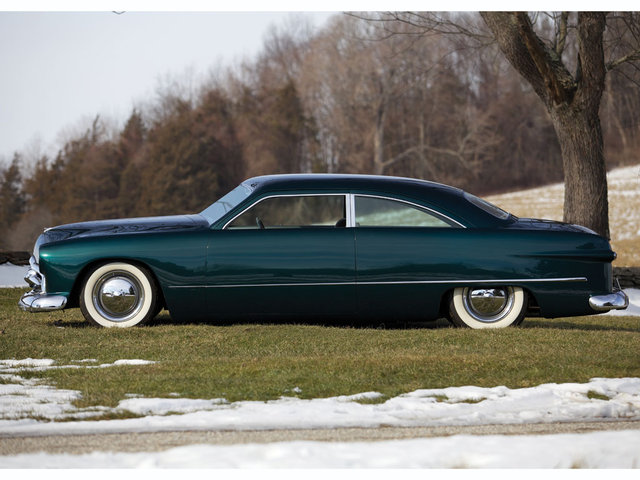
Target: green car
326,246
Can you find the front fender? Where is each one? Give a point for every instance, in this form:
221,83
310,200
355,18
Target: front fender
174,258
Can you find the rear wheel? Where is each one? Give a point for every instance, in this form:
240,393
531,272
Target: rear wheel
487,307
119,295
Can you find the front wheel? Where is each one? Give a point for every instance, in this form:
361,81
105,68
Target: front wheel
487,307
119,295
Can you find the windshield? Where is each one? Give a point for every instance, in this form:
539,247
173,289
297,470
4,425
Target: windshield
216,211
487,207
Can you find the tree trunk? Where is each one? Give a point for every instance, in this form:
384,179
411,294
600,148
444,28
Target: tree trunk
585,174
573,103
378,140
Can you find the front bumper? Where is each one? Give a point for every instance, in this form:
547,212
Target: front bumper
37,300
41,302
618,300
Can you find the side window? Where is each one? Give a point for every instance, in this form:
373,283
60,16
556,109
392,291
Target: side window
294,211
382,212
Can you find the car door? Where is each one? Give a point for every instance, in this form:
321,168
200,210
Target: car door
286,255
402,251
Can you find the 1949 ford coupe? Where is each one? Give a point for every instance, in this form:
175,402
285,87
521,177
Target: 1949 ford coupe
345,246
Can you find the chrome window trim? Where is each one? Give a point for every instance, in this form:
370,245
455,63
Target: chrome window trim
350,206
290,195
409,282
351,210
418,206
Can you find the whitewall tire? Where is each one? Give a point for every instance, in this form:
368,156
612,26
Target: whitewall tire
119,295
487,307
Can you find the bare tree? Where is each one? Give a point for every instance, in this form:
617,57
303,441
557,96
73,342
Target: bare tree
566,67
572,100
349,82
370,97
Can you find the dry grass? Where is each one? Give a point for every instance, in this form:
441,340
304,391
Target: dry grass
624,209
252,361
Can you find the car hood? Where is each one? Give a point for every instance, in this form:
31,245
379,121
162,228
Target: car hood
539,224
123,226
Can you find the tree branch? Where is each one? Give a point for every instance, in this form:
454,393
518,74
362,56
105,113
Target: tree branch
541,58
423,24
562,33
591,27
508,38
631,57
538,64
418,149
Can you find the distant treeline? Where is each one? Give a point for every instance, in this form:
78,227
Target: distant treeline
347,98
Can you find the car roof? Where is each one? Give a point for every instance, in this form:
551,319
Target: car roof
340,181
449,200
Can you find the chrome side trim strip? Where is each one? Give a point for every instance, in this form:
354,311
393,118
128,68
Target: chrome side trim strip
475,282
415,282
327,284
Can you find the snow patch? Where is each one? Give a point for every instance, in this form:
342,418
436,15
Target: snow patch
22,400
359,396
633,310
164,406
27,362
30,365
12,276
619,449
126,362
469,405
29,399
618,398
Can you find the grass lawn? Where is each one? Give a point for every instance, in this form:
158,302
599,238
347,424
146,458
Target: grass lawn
251,361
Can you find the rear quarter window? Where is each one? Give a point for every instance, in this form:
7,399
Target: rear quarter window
488,207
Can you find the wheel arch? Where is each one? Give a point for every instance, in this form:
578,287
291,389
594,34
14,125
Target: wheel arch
532,307
74,297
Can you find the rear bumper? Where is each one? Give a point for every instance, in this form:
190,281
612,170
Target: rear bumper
617,300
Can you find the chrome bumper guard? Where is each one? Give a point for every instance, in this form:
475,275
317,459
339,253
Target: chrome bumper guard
36,300
41,302
618,300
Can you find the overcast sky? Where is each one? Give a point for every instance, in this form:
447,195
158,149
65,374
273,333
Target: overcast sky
60,69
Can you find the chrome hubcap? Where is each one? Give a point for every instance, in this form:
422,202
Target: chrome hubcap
118,296
488,304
